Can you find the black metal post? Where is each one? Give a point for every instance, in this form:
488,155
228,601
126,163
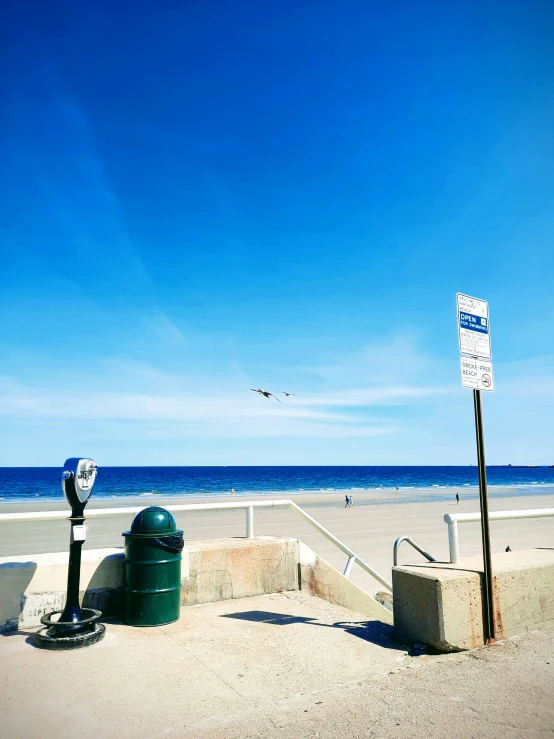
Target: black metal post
72,611
488,590
74,627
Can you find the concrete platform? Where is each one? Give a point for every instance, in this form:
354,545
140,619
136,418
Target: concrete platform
284,665
211,570
440,604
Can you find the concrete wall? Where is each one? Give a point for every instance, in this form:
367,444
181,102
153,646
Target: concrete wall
211,570
220,569
440,604
33,585
320,579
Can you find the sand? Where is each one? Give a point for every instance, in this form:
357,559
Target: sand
369,528
323,498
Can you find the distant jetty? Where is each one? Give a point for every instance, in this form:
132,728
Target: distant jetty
520,466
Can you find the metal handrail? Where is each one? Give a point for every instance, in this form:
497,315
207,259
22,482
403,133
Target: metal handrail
244,505
410,541
453,519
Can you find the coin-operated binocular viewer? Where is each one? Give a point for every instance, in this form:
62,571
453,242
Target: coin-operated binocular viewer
76,626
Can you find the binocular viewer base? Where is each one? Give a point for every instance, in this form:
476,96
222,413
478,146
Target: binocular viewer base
70,634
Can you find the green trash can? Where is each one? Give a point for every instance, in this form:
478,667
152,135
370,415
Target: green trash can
153,549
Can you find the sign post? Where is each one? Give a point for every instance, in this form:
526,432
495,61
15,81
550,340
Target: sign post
477,374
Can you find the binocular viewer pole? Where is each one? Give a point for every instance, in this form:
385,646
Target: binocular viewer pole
72,614
76,627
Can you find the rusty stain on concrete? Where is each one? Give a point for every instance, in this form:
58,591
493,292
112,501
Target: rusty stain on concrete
497,609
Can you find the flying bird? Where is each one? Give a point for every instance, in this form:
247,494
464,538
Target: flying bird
287,394
265,393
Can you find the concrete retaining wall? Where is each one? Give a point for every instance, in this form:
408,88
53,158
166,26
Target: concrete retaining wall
33,585
320,579
440,604
220,569
211,570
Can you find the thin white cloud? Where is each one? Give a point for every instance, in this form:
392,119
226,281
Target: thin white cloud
177,416
372,396
159,411
25,401
396,360
182,405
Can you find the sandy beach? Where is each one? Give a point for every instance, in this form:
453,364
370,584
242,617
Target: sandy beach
323,498
369,528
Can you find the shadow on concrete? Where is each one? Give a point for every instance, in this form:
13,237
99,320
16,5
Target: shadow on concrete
105,589
14,581
30,640
267,617
17,632
375,632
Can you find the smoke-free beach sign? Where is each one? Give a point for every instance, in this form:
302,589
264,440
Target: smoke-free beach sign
473,326
477,374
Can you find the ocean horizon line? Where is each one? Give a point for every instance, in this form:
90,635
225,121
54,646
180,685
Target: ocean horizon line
285,466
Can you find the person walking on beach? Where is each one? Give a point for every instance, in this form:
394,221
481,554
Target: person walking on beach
347,501
457,498
351,501
232,491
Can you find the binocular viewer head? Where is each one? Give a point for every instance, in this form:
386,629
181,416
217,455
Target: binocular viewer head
77,480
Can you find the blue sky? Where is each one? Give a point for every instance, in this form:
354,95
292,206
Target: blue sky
197,198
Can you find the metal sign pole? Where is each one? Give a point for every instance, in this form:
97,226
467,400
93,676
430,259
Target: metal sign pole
488,590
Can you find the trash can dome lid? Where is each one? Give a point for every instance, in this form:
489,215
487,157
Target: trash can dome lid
155,521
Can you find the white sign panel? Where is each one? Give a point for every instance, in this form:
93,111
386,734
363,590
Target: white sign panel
476,374
78,533
473,326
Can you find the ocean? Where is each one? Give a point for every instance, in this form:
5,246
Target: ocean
32,483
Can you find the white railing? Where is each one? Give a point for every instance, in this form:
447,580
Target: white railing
453,519
190,507
414,544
